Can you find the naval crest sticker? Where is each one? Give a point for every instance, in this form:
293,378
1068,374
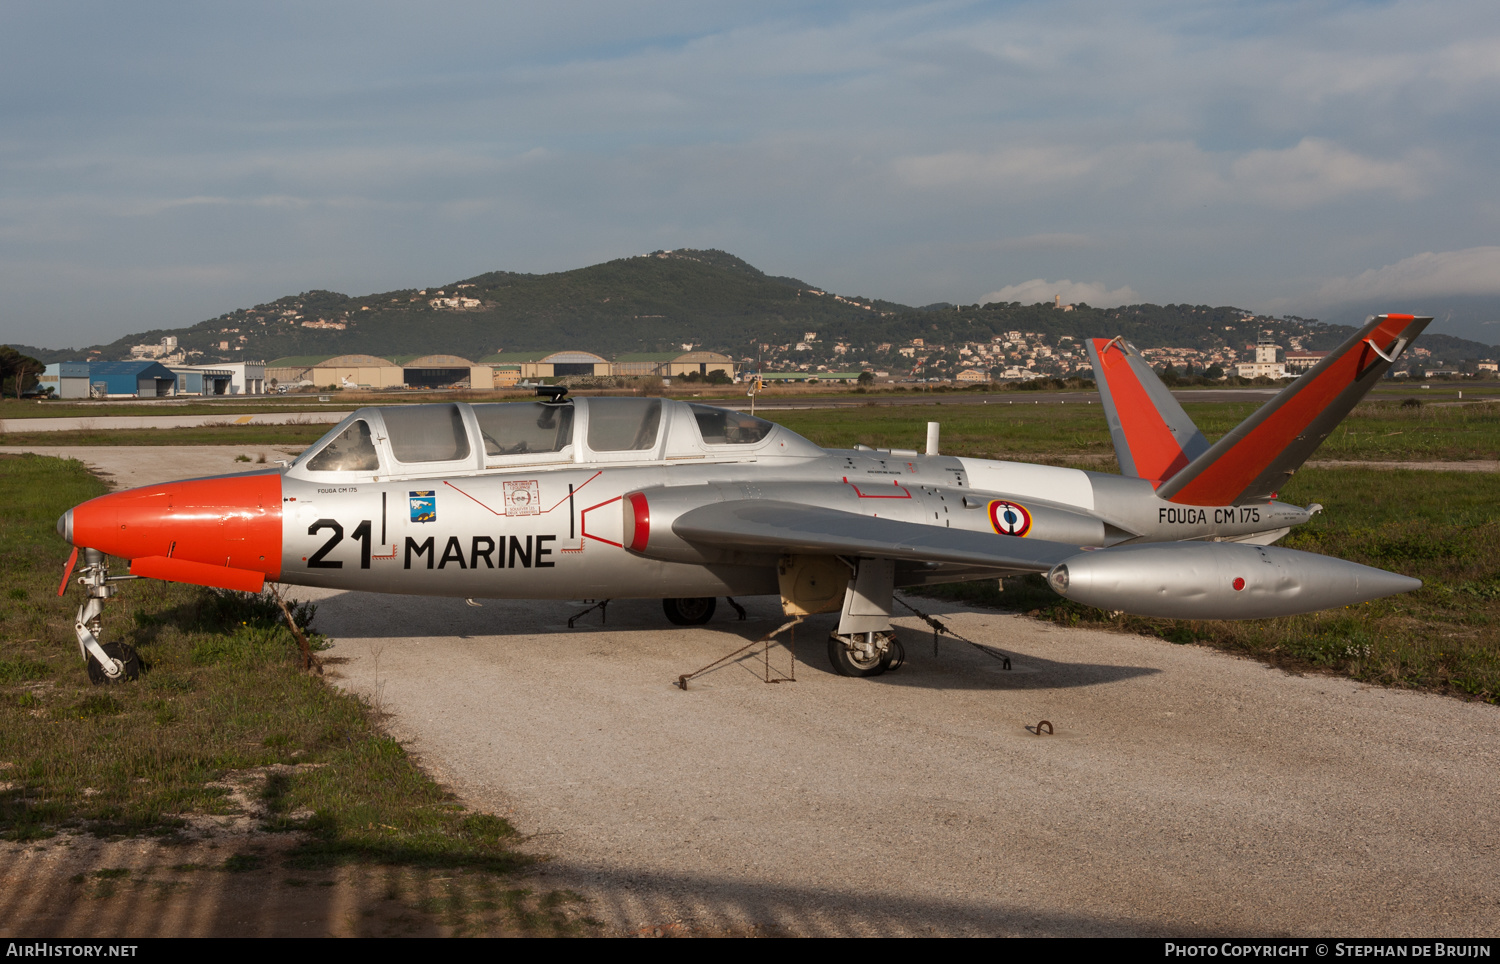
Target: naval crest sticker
523,498
424,506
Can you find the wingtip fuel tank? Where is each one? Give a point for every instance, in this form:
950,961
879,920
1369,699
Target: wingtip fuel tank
1219,581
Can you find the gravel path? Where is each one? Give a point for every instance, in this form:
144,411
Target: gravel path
1185,791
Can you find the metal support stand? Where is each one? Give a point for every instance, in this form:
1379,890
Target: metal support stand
682,681
938,627
603,607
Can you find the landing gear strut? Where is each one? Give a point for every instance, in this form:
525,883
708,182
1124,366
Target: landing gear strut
865,654
108,662
689,612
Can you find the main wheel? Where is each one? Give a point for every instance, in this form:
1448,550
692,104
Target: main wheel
125,654
849,661
689,612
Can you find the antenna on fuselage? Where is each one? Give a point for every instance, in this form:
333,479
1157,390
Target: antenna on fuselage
553,394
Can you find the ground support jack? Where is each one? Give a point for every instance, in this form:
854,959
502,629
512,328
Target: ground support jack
682,681
603,607
938,627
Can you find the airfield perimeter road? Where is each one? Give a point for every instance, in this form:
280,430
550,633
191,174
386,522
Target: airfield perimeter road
1185,792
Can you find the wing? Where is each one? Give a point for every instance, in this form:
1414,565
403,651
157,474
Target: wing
757,524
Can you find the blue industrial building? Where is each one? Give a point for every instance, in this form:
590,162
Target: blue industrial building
137,379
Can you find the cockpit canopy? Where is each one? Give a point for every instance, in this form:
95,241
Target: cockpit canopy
410,441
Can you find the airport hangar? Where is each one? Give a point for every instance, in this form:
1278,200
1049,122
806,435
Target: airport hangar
494,371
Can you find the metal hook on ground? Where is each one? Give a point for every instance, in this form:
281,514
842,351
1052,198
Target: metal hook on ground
938,627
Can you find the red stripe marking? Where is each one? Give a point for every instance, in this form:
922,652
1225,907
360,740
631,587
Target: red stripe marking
905,492
1156,451
583,523
470,497
1223,481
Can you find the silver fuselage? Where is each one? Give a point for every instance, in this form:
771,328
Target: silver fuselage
554,525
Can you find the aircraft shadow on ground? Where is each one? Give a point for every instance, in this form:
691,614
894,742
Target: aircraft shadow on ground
957,666
251,890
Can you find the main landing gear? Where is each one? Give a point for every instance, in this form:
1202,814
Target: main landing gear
689,612
107,662
865,654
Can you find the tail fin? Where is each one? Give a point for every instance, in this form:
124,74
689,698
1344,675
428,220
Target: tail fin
1154,438
1255,459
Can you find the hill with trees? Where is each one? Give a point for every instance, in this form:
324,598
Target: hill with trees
667,299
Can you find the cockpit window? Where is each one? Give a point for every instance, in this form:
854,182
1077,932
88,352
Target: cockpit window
525,428
351,451
426,433
623,424
720,426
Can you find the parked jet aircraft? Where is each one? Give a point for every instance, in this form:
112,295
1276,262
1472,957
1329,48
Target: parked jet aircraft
655,498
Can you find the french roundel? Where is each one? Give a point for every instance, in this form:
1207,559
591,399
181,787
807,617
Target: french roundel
1010,519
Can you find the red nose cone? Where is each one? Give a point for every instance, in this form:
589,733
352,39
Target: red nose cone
232,523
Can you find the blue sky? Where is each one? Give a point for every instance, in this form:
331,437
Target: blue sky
161,163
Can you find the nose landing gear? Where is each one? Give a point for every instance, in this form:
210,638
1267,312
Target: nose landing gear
107,662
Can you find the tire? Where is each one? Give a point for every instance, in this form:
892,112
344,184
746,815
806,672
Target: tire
853,662
690,612
118,651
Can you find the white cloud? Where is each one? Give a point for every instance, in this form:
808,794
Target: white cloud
1317,170
1094,293
1471,271
1018,167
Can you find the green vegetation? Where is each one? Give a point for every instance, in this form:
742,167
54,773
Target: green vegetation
709,298
288,435
221,725
18,371
1027,431
1441,527
11,408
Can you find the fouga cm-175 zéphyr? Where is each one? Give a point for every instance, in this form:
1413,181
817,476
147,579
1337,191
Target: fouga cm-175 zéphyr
641,497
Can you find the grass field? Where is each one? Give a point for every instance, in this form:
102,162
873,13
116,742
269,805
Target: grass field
1376,431
11,408
1441,527
221,704
294,435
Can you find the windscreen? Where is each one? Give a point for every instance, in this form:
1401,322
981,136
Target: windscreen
352,451
720,426
525,428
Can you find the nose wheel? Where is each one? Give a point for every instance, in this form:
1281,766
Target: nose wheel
123,660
